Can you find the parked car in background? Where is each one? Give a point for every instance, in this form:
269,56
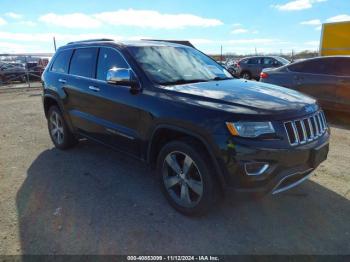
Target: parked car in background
34,70
178,110
232,67
10,72
251,67
325,78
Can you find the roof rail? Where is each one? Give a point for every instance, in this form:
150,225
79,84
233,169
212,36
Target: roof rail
91,40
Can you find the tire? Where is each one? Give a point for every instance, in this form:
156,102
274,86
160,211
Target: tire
59,132
246,75
192,191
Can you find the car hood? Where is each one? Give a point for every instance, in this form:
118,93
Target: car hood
243,96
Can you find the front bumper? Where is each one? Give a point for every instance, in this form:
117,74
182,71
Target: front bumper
287,167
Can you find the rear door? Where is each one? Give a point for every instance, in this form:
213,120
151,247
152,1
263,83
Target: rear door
255,65
312,77
80,98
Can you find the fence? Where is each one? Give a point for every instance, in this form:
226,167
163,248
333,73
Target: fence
22,71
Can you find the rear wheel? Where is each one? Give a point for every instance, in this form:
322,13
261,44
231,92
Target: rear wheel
185,178
246,75
58,129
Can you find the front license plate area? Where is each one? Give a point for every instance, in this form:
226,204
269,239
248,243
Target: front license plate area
318,155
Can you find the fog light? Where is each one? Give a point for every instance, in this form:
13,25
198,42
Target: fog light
255,168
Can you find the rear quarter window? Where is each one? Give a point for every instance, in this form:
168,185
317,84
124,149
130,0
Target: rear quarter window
61,63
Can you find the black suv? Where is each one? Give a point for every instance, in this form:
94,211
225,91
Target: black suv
177,109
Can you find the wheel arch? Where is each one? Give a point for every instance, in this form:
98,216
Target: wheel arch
164,133
51,100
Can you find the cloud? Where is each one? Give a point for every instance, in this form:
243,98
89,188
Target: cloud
338,18
27,23
47,37
311,22
154,19
2,21
129,17
297,5
8,47
239,31
74,20
13,15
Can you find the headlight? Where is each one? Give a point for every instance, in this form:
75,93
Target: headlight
250,129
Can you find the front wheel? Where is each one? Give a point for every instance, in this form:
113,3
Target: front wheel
185,178
60,134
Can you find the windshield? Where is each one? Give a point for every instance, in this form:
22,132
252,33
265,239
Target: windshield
168,65
282,60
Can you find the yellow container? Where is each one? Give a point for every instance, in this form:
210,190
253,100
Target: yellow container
335,39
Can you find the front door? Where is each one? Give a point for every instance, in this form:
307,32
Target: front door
115,107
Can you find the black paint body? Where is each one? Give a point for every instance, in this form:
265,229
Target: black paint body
132,121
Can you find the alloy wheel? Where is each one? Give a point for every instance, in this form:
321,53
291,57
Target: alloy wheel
182,179
56,128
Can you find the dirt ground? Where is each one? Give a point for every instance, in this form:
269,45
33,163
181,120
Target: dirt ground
91,200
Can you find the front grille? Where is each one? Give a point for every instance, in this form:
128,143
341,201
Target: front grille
306,129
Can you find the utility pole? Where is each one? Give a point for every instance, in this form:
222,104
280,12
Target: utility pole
256,51
54,43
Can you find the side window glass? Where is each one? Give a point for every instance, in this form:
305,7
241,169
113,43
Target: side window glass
315,66
253,61
269,61
296,67
107,59
83,62
60,65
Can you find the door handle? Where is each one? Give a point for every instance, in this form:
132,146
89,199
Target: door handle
94,88
63,81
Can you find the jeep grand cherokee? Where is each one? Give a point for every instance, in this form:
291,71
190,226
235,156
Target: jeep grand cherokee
177,109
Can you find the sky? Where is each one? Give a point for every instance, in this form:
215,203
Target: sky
239,26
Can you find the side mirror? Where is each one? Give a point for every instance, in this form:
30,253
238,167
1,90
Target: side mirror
122,76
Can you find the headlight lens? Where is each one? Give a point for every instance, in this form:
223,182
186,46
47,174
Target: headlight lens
250,129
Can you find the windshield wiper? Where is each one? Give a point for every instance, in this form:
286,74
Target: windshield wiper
183,81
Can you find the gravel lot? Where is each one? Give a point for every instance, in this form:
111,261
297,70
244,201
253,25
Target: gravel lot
92,200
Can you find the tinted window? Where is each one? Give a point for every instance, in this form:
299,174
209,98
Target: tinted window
269,61
314,66
107,59
254,61
60,65
83,62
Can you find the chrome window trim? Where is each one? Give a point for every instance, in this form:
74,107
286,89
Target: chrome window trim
92,46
